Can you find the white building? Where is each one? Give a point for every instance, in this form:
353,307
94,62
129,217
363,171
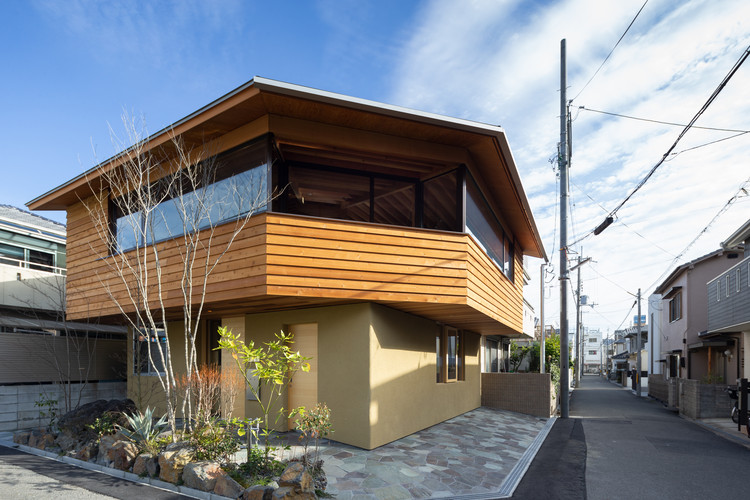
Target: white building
592,355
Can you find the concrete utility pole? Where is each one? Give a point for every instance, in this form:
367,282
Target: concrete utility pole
542,351
579,350
564,276
638,343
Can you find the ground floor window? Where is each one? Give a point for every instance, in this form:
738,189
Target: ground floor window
449,350
148,348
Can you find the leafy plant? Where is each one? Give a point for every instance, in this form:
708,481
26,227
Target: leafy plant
143,430
104,425
273,364
214,441
313,424
48,411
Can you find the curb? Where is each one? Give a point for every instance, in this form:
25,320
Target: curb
128,476
721,432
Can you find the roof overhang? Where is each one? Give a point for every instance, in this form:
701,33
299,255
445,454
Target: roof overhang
486,145
672,292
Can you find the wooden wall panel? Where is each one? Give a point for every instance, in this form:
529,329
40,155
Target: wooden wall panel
279,261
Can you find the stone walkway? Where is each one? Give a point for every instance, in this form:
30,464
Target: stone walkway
471,454
481,454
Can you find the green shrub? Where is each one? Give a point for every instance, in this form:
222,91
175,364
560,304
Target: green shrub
214,441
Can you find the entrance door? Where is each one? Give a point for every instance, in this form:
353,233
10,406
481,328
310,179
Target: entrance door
303,391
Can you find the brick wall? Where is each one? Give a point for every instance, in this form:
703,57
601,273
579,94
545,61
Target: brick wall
703,400
19,411
529,393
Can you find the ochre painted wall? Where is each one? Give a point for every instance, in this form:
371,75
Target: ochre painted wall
405,396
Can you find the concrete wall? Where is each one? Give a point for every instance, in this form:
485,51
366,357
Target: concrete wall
529,393
17,402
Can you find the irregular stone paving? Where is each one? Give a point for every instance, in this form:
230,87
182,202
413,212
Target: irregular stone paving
469,454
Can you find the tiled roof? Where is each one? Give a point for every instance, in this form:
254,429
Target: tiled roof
25,218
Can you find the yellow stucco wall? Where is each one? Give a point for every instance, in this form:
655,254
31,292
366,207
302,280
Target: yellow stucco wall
405,397
342,363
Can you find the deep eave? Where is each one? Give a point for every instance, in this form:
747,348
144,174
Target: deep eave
260,97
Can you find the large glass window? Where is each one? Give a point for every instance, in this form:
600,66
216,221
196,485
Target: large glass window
236,186
148,349
440,202
327,193
482,224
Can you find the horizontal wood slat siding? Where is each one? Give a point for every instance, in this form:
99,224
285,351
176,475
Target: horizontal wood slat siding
308,260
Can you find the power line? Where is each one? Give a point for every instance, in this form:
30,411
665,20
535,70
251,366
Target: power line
611,217
660,122
741,193
674,155
610,52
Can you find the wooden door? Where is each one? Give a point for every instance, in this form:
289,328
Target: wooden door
303,391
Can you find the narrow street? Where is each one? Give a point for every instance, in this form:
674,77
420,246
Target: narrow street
616,445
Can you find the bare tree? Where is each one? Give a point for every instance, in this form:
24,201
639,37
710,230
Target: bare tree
162,193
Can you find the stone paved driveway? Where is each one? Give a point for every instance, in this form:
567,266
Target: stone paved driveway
471,454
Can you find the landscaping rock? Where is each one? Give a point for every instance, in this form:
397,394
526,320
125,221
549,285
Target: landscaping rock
227,487
122,454
21,437
87,451
74,424
295,476
172,462
41,439
257,492
152,467
105,444
201,475
289,492
146,464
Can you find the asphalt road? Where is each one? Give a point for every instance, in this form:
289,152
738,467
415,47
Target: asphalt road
28,477
619,446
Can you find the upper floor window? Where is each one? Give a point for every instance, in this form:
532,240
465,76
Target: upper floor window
177,205
737,278
675,307
484,226
592,340
726,284
28,258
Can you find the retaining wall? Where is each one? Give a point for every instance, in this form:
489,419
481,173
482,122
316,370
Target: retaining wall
529,393
19,411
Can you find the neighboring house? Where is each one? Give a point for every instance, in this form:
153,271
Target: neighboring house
393,246
592,350
657,361
685,349
631,336
40,352
728,296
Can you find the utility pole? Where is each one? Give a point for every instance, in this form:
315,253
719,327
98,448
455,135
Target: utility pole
564,275
638,358
579,350
542,351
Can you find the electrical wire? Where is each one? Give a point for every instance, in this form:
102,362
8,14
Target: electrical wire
621,222
741,193
610,52
659,121
674,155
610,218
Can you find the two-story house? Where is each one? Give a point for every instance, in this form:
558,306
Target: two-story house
685,350
728,297
391,242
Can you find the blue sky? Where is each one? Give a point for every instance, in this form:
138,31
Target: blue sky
71,68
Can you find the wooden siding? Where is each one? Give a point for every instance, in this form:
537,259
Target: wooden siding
282,261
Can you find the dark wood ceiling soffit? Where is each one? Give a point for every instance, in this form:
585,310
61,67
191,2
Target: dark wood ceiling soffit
297,151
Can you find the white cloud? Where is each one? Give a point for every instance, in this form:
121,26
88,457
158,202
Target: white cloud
498,62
